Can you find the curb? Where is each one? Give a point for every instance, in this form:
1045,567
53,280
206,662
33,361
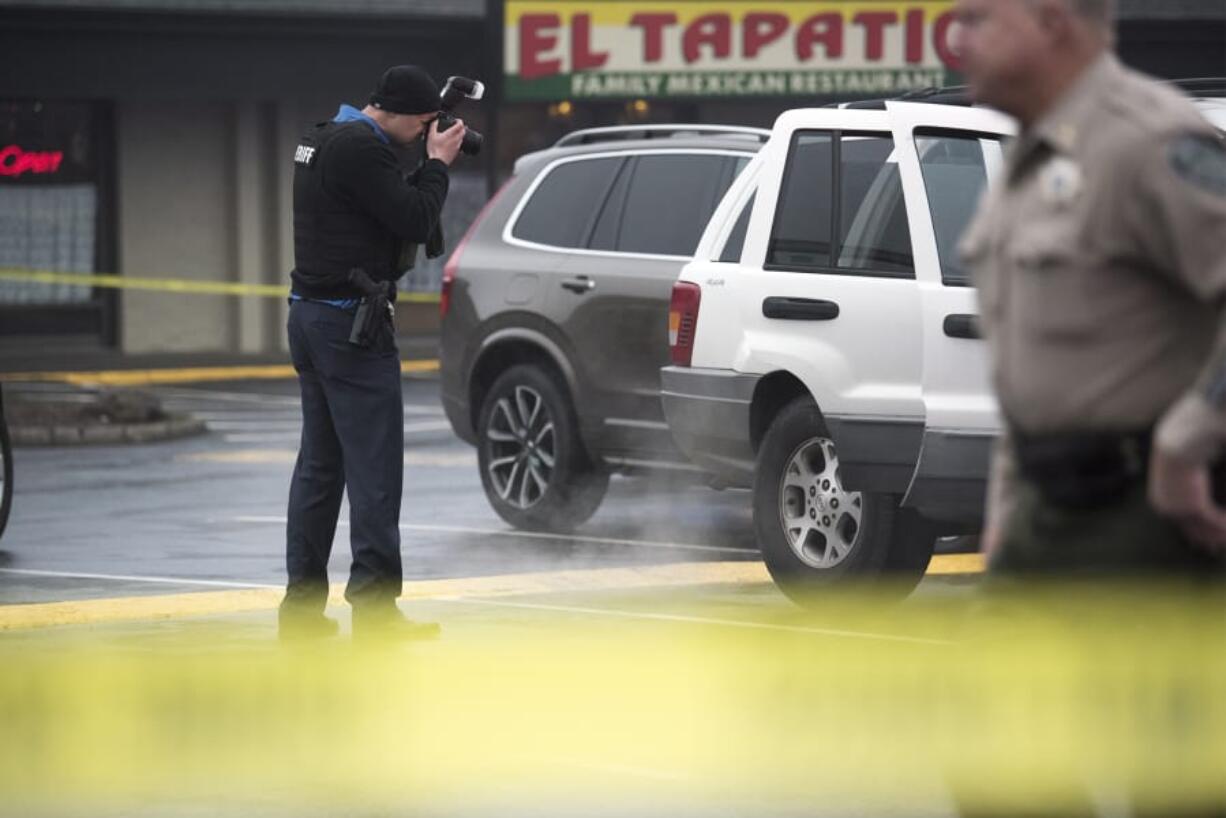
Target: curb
100,434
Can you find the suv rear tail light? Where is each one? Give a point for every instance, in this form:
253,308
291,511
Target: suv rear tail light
452,267
683,321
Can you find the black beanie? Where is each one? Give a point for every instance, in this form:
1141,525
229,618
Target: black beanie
406,89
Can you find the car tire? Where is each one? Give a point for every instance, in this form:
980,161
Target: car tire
814,535
911,548
534,468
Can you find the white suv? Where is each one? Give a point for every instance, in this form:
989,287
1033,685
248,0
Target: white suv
825,343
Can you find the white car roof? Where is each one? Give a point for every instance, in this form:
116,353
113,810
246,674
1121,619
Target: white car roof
918,112
1214,110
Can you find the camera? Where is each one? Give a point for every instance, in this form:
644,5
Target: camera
454,92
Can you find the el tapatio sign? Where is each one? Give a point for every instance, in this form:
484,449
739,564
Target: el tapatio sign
616,49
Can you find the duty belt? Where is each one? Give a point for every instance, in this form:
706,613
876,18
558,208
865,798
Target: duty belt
1085,470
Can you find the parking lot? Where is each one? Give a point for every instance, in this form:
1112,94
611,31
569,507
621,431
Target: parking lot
165,549
208,513
644,664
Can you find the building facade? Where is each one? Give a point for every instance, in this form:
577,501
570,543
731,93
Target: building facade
153,138
569,64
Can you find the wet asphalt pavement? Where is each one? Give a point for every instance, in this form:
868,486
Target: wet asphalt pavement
160,523
208,512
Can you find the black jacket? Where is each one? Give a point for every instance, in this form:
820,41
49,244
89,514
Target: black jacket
353,207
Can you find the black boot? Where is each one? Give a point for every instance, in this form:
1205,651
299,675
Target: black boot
384,621
302,624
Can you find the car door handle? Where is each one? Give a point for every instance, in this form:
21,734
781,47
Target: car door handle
800,309
579,284
963,326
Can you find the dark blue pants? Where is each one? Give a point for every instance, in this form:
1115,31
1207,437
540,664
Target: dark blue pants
352,439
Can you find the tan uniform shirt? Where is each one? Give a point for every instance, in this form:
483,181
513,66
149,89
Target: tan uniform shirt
1101,266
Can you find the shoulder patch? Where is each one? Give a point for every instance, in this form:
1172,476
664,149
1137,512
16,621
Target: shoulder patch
305,154
1200,160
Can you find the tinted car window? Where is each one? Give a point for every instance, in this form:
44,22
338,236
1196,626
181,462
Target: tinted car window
670,199
873,232
563,206
736,239
609,222
955,176
802,233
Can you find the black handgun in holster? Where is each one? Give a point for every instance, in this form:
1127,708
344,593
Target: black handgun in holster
1083,471
374,310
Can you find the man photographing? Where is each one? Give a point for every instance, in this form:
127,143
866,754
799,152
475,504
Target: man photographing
355,214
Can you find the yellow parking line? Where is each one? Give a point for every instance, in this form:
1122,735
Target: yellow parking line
135,609
211,603
951,564
174,606
198,374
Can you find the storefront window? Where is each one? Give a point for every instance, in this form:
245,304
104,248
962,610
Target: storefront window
49,197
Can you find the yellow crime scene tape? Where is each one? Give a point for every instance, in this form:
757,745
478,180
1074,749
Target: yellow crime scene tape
174,285
149,377
189,374
1039,700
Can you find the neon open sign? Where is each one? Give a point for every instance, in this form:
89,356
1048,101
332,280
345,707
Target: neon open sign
14,161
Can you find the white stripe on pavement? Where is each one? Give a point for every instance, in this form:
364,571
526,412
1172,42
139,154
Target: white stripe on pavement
242,415
239,397
185,395
531,535
293,434
296,425
697,620
209,583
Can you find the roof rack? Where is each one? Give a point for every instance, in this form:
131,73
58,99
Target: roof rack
960,94
1202,86
588,136
952,95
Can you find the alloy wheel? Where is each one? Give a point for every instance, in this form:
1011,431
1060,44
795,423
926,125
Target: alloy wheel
522,447
822,521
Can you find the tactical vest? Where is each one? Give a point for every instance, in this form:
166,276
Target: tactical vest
331,233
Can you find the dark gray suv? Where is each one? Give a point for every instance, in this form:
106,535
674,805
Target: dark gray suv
555,312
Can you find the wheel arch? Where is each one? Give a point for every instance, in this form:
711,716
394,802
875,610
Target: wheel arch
508,347
772,393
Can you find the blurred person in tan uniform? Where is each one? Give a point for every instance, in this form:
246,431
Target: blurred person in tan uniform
1100,259
1101,265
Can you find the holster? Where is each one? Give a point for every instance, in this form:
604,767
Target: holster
374,311
1083,471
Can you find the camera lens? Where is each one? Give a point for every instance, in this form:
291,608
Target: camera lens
471,144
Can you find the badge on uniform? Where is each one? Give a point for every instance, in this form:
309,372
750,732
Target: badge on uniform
1060,182
305,155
